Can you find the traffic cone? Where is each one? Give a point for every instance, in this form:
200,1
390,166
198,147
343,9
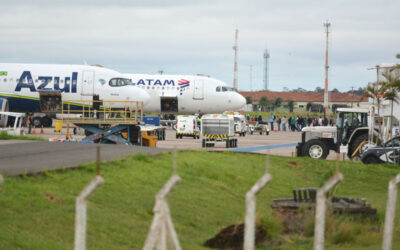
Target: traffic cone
34,130
41,131
275,130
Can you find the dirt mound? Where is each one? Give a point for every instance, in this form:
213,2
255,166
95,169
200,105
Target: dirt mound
232,237
52,198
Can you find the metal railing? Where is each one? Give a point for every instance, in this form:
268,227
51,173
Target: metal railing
83,111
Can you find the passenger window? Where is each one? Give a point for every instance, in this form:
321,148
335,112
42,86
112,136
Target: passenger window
218,89
5,79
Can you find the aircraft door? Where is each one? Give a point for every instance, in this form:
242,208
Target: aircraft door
88,83
198,92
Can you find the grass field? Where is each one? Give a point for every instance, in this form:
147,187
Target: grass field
5,136
38,212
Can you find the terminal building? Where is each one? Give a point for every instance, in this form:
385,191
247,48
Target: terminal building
301,101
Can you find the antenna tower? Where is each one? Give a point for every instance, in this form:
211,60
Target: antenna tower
266,62
326,106
251,77
235,70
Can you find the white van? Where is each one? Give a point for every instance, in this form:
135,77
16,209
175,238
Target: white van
240,126
186,125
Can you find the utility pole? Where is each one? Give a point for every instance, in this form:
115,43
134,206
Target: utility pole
235,70
326,105
251,77
352,95
266,68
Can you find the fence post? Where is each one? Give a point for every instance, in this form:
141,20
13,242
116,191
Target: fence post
320,211
390,213
80,216
1,179
250,220
162,225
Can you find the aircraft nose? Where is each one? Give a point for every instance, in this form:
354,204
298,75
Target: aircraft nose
240,101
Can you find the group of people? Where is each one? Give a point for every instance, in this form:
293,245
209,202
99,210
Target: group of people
292,123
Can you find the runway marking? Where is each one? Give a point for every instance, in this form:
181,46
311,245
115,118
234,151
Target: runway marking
259,148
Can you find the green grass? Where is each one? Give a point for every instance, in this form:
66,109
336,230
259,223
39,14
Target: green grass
209,198
5,136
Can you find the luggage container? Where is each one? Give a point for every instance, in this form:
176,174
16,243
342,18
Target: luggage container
218,128
186,125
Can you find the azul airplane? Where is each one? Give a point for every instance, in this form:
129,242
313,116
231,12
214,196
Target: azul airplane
20,85
187,93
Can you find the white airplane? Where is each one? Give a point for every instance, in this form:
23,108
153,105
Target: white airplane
20,85
187,94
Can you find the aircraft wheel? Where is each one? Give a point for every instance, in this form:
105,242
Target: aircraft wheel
47,122
37,122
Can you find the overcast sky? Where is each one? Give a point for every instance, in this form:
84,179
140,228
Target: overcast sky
189,37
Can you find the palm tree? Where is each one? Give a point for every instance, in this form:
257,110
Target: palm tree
375,91
392,86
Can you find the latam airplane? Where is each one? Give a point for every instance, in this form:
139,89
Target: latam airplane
187,93
20,85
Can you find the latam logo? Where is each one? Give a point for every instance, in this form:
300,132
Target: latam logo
69,83
155,82
183,83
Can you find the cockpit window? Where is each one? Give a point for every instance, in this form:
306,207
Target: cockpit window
225,89
118,82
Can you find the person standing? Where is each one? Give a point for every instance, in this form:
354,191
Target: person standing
278,122
293,124
29,123
271,120
284,122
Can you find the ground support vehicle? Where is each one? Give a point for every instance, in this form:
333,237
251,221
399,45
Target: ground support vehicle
261,128
105,125
240,126
305,198
388,152
15,129
186,126
250,126
354,131
149,136
217,128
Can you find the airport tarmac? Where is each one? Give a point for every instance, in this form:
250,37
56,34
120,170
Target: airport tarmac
17,157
